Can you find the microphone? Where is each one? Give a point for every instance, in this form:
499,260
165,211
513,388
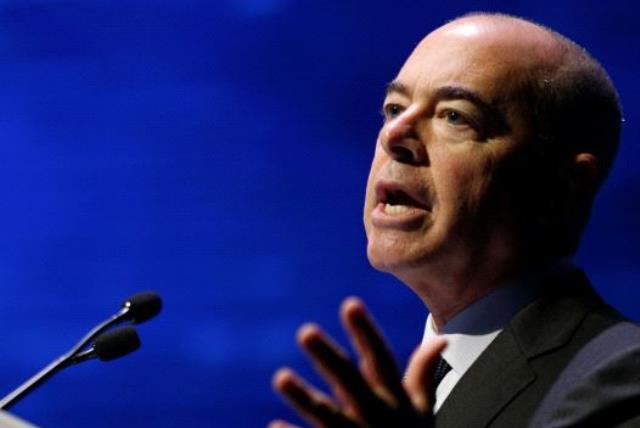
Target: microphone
136,309
111,345
142,307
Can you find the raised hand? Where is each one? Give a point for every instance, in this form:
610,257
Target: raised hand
369,395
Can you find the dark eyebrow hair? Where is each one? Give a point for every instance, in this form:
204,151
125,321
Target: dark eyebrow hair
460,93
443,93
490,109
497,119
395,86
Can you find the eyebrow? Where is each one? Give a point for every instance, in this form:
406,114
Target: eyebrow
395,86
444,93
460,93
449,92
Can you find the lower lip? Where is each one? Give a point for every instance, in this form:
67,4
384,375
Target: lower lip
407,220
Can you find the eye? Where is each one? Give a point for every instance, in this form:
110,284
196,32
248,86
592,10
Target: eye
391,111
455,118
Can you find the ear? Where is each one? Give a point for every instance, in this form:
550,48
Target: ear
584,175
571,189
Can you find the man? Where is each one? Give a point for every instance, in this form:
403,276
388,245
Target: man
497,134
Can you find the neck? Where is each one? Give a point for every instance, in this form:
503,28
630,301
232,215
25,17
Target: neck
447,289
446,299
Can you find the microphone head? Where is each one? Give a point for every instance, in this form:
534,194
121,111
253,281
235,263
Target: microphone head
143,306
116,343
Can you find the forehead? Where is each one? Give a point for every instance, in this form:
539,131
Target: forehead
486,58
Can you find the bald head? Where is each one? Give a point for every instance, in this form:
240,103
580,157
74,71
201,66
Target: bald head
572,108
559,79
505,30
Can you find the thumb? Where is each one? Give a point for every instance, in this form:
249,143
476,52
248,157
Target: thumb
418,377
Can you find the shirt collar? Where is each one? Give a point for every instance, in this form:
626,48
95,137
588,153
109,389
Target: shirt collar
462,349
471,331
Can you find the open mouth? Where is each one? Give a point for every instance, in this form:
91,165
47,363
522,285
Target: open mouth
396,201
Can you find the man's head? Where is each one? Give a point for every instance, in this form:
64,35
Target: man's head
497,134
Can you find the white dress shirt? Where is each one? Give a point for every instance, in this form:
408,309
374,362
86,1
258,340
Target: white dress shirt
471,331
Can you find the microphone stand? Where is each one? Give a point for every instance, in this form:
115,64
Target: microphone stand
64,361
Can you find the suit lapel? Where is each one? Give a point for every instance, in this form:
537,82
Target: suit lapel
503,370
493,380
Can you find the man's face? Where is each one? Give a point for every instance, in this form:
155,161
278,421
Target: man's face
437,193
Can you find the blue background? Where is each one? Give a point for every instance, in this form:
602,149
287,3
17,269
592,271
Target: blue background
217,152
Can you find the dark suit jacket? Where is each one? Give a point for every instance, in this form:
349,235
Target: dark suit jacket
601,385
510,379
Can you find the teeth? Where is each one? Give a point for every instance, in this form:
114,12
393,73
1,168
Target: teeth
395,209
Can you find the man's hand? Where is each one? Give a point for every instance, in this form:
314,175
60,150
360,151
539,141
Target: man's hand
372,395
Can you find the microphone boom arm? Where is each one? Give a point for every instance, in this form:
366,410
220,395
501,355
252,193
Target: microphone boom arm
63,361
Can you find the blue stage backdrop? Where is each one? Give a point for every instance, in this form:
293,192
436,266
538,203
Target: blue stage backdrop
217,152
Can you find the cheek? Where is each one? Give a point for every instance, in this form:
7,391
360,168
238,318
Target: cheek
377,162
463,182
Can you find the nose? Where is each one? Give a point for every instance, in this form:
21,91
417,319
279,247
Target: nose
401,140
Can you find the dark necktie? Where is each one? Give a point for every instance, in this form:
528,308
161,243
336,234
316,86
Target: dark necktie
442,368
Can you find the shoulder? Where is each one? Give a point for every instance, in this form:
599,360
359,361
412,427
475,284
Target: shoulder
600,386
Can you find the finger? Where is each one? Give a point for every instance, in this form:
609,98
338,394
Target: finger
281,424
311,404
377,362
419,375
340,373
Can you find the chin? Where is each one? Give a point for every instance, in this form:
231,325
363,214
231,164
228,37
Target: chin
392,258
376,260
